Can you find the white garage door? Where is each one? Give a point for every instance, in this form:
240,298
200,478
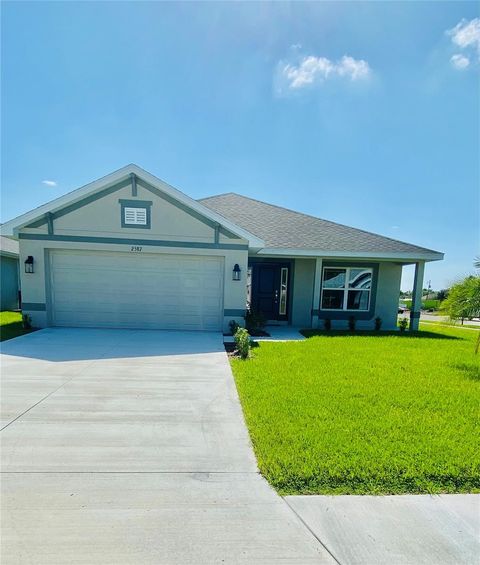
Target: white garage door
136,290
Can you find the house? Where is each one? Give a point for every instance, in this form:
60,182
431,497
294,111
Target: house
130,251
9,283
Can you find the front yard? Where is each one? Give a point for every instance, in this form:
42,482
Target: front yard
11,325
358,414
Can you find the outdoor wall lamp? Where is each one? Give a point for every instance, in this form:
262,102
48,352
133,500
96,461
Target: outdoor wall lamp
29,264
237,272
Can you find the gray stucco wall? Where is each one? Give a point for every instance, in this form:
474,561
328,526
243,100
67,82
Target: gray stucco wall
303,277
388,294
8,283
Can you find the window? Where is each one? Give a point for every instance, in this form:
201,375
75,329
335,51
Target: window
283,291
249,287
346,288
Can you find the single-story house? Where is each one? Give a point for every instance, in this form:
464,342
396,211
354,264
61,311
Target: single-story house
130,251
9,281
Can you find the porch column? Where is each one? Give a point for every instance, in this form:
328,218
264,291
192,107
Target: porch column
316,291
417,296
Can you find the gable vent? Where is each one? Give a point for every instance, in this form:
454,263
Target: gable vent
136,216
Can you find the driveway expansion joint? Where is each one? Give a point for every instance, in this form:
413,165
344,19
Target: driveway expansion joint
311,531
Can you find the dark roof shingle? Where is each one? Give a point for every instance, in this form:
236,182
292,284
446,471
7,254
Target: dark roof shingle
283,228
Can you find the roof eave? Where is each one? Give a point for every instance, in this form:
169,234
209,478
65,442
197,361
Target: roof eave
9,254
426,255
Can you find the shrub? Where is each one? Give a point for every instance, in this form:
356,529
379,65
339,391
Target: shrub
233,325
254,321
327,324
351,323
242,341
403,324
378,323
26,322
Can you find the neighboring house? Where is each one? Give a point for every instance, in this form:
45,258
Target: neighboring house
9,283
130,251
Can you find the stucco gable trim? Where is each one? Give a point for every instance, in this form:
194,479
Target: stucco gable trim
174,202
76,205
132,241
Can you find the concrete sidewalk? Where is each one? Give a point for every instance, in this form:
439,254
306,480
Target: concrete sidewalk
397,530
281,333
126,446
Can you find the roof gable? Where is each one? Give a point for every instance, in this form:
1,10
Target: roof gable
298,233
131,174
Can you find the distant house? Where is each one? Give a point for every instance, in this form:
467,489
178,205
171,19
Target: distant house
130,251
9,279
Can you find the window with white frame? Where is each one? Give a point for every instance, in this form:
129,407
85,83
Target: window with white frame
135,216
346,288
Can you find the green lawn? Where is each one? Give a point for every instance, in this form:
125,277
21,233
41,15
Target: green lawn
358,414
11,325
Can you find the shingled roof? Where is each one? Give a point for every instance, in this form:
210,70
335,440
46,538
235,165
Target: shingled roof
281,228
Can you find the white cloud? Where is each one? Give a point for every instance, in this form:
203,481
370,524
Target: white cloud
49,182
313,69
353,68
466,33
460,61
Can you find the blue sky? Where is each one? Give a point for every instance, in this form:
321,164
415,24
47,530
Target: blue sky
361,113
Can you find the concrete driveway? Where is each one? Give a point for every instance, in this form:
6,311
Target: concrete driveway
124,446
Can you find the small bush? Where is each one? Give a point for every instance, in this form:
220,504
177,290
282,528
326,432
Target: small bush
242,341
351,323
233,325
26,322
403,324
378,323
327,324
254,321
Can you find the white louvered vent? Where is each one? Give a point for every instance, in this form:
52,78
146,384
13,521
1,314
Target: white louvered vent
136,216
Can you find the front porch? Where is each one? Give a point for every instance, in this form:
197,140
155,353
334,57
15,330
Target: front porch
303,292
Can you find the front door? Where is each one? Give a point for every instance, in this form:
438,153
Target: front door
270,289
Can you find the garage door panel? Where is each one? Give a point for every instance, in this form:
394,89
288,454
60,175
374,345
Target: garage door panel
163,291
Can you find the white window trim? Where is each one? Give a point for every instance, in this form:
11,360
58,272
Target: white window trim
345,290
137,213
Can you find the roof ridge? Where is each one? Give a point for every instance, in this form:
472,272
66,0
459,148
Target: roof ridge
323,220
